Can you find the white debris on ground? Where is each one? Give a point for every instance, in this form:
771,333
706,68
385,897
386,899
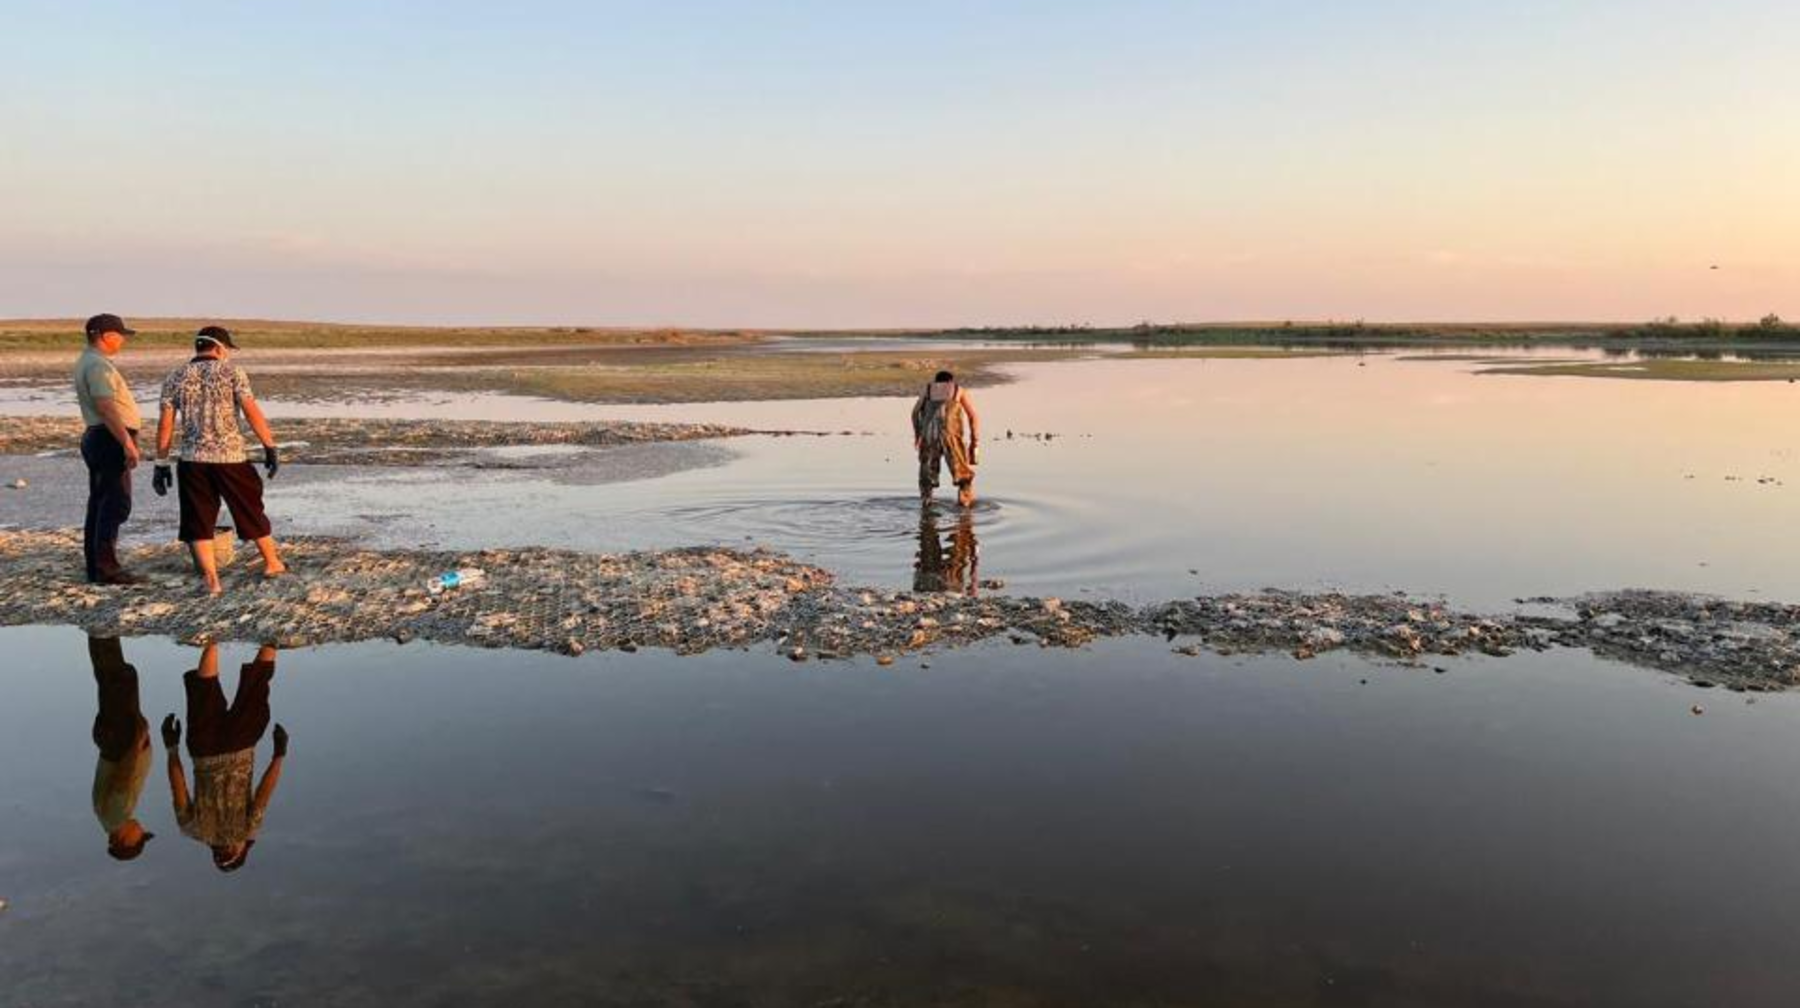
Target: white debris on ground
695,599
338,440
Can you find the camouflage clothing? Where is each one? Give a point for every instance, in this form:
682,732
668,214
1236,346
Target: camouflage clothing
938,424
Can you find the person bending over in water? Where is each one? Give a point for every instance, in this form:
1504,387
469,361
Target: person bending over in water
938,420
223,813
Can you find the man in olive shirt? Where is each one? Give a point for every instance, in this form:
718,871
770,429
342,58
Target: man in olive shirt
109,447
123,737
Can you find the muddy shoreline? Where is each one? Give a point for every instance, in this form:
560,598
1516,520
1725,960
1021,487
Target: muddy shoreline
696,599
327,441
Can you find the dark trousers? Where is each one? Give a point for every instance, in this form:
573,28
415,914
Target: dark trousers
109,501
119,722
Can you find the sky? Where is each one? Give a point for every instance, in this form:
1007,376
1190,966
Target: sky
845,163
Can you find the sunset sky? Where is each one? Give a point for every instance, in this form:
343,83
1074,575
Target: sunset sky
881,164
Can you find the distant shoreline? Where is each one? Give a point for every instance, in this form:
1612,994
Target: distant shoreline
1769,334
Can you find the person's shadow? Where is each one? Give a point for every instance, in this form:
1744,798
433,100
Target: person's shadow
223,811
946,567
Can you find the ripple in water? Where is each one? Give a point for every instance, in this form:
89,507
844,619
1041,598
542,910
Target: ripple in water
1033,544
827,524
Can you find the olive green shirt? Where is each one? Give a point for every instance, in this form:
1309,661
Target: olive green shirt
117,785
96,378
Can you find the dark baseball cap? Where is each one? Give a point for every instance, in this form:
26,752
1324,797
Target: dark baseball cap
108,322
218,334
130,852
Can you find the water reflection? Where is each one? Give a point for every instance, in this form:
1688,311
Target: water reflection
123,738
728,828
942,566
222,812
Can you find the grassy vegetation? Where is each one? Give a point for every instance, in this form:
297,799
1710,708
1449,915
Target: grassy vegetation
54,334
734,375
753,376
667,366
44,334
655,378
1365,335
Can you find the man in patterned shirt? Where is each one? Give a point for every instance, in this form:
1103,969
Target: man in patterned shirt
206,394
225,809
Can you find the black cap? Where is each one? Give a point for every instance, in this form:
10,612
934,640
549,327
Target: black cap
216,333
108,322
130,853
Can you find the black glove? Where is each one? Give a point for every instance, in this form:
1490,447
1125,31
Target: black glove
271,460
171,732
281,738
163,479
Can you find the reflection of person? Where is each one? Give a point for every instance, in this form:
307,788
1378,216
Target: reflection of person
207,394
938,418
940,570
108,446
222,812
123,737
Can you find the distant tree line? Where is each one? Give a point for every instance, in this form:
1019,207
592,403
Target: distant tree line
1360,333
1768,327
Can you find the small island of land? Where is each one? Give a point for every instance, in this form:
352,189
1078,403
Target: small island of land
676,365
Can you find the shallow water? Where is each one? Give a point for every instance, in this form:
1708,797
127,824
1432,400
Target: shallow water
1165,478
1117,825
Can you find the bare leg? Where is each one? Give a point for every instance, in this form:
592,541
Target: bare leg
209,664
272,564
209,566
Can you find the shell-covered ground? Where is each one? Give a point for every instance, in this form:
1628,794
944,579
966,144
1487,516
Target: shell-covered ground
695,599
322,440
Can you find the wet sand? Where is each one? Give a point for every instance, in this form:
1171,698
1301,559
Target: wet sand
677,372
325,441
697,599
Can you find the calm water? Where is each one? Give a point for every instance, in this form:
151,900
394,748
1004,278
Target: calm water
1010,826
1170,477
1114,825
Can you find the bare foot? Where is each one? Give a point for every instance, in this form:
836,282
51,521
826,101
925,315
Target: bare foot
275,571
214,588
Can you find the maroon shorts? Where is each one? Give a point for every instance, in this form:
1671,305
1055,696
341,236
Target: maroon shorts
214,727
204,485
